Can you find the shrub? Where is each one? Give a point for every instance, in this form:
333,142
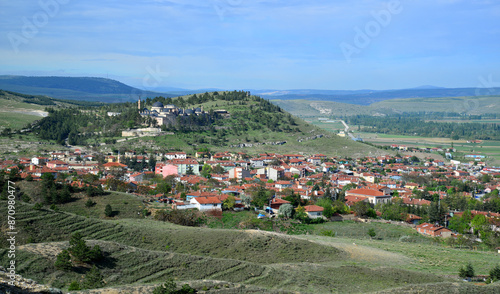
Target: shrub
188,217
170,287
89,203
74,286
328,233
407,239
372,233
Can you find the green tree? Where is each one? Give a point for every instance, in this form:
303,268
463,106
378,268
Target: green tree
300,213
467,271
360,208
261,197
286,210
229,202
81,252
108,211
206,170
478,222
93,279
495,273
63,261
372,233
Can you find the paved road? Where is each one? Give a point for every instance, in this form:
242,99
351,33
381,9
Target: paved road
347,130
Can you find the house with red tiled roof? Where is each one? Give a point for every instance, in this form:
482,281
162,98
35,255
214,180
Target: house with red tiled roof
56,163
114,165
374,196
351,200
433,230
276,203
206,203
314,211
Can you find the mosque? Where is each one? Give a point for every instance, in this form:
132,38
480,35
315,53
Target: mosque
165,115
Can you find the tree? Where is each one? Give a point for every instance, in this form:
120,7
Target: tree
108,211
63,261
261,197
93,279
300,213
189,170
81,252
229,202
206,170
286,210
467,271
360,208
495,273
478,222
372,233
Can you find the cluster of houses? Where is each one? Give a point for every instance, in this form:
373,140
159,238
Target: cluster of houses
238,172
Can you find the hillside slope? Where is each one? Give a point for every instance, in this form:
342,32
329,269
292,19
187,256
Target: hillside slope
255,125
74,88
144,251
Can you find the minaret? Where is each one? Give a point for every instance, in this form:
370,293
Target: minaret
139,104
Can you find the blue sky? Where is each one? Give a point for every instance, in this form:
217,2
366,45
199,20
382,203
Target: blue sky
243,44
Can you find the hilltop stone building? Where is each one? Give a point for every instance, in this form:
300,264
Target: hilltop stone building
166,115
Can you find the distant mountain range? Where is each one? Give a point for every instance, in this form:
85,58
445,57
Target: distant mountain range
108,90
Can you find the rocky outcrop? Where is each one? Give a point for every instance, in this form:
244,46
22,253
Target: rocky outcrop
22,285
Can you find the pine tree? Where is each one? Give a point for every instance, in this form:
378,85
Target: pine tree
63,261
108,211
93,279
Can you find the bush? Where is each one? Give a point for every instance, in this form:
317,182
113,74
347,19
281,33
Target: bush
407,239
188,217
170,287
74,286
328,233
89,203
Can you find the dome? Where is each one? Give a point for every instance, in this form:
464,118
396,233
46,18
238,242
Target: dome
158,104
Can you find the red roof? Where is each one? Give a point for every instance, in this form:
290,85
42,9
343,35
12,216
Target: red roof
207,200
313,208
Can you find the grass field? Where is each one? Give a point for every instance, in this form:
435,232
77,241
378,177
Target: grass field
141,252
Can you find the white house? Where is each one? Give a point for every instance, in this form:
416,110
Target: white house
206,203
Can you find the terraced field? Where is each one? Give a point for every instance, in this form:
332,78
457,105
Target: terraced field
140,253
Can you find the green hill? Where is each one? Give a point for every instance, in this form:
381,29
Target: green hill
470,105
17,110
142,253
251,125
74,88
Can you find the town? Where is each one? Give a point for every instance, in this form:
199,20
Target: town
428,194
